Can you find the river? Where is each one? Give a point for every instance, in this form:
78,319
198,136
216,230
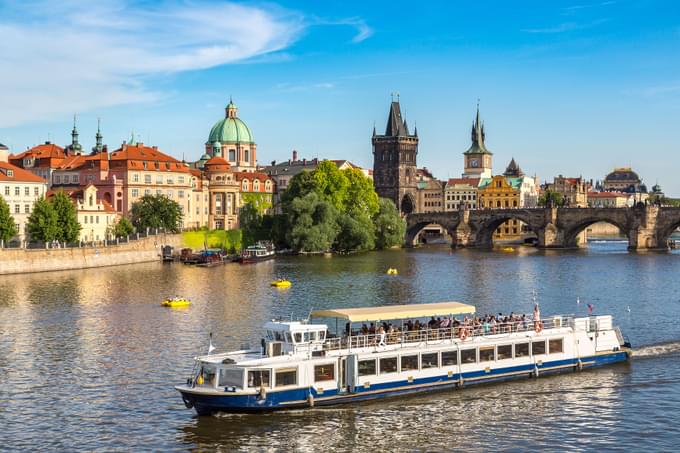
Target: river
88,359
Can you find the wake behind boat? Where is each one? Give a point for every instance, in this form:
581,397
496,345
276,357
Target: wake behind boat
303,365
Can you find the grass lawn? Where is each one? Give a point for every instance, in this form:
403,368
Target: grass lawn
231,240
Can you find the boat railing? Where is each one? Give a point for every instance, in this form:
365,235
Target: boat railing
462,332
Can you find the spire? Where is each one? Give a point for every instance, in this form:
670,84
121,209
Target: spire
396,125
513,170
74,148
478,136
231,110
415,130
132,138
374,128
98,147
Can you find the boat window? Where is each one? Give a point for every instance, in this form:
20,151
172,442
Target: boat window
538,347
521,350
504,352
258,378
312,336
388,365
367,367
230,377
487,354
298,337
286,376
288,338
322,335
305,337
409,362
278,335
324,372
208,376
555,346
449,358
430,360
468,356
270,335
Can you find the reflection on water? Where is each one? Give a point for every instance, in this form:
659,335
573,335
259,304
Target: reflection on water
88,358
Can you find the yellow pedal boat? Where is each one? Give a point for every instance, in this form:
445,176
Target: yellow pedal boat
281,283
392,271
508,249
175,303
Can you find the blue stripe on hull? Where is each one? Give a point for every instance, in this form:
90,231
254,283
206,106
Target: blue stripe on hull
287,399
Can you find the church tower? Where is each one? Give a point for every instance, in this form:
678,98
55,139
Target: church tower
394,161
477,157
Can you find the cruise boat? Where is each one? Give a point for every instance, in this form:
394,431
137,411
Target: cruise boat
255,253
302,364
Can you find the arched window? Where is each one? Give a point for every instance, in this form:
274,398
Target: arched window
256,185
244,185
268,186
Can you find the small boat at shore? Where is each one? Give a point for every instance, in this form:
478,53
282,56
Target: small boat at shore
176,302
304,364
255,254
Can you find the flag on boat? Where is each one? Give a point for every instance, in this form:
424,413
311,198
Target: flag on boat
211,348
590,308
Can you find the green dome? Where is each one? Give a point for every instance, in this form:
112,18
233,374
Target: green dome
230,129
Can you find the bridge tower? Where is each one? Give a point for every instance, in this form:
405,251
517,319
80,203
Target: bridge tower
394,161
477,157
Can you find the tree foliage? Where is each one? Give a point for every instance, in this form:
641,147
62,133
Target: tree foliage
390,228
255,225
123,228
43,223
551,198
67,217
8,228
313,224
156,211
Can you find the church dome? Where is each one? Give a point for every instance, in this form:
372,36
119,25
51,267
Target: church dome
230,129
622,174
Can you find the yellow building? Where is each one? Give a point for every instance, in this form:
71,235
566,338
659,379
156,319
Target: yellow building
501,192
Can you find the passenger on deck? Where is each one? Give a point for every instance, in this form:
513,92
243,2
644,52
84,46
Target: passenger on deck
382,336
371,329
364,329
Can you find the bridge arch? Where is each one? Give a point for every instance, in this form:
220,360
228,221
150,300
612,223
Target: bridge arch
485,229
572,232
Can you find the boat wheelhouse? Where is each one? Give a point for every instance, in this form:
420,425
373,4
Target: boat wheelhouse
303,364
255,253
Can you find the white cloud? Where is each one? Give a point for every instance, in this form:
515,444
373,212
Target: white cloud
57,58
566,26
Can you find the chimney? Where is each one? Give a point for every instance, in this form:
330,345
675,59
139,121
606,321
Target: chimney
273,163
304,161
294,156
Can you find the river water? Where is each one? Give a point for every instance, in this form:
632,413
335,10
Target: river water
88,359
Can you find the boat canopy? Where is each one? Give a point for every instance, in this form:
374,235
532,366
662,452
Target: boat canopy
395,311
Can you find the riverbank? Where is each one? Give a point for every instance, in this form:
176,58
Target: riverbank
143,250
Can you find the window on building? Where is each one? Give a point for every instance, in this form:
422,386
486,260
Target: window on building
388,365
504,352
171,180
429,360
258,378
36,191
147,179
159,179
244,185
555,346
135,192
324,372
286,376
180,179
135,177
17,209
232,155
7,190
367,367
57,179
409,362
170,193
147,191
85,220
180,194
27,209
538,347
246,156
256,186
27,191
468,356
74,179
198,210
90,178
159,192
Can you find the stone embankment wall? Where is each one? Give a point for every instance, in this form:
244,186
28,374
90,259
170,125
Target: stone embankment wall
19,261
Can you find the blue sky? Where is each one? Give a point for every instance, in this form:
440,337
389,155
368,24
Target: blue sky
574,87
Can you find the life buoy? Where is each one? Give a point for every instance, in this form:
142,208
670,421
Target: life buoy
462,334
538,326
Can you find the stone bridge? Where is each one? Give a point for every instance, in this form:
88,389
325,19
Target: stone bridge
647,227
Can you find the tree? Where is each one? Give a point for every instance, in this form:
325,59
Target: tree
43,223
251,222
122,228
390,228
313,224
331,183
360,196
67,217
356,233
156,211
551,198
8,228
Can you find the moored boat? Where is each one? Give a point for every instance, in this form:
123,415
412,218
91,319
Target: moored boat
303,364
256,253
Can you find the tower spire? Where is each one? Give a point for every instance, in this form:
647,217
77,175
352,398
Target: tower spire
98,147
74,148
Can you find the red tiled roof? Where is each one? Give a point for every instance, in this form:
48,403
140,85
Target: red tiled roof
135,155
606,194
241,175
474,182
18,175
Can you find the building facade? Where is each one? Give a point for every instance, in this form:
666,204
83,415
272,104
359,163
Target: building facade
623,180
502,192
461,193
574,191
95,215
394,162
20,189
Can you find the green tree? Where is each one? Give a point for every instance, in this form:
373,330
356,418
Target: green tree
356,233
8,228
332,184
313,224
390,228
43,223
550,197
361,197
67,217
298,186
156,211
250,221
260,201
122,228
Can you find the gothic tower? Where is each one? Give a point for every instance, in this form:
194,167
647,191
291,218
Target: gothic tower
477,157
394,162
